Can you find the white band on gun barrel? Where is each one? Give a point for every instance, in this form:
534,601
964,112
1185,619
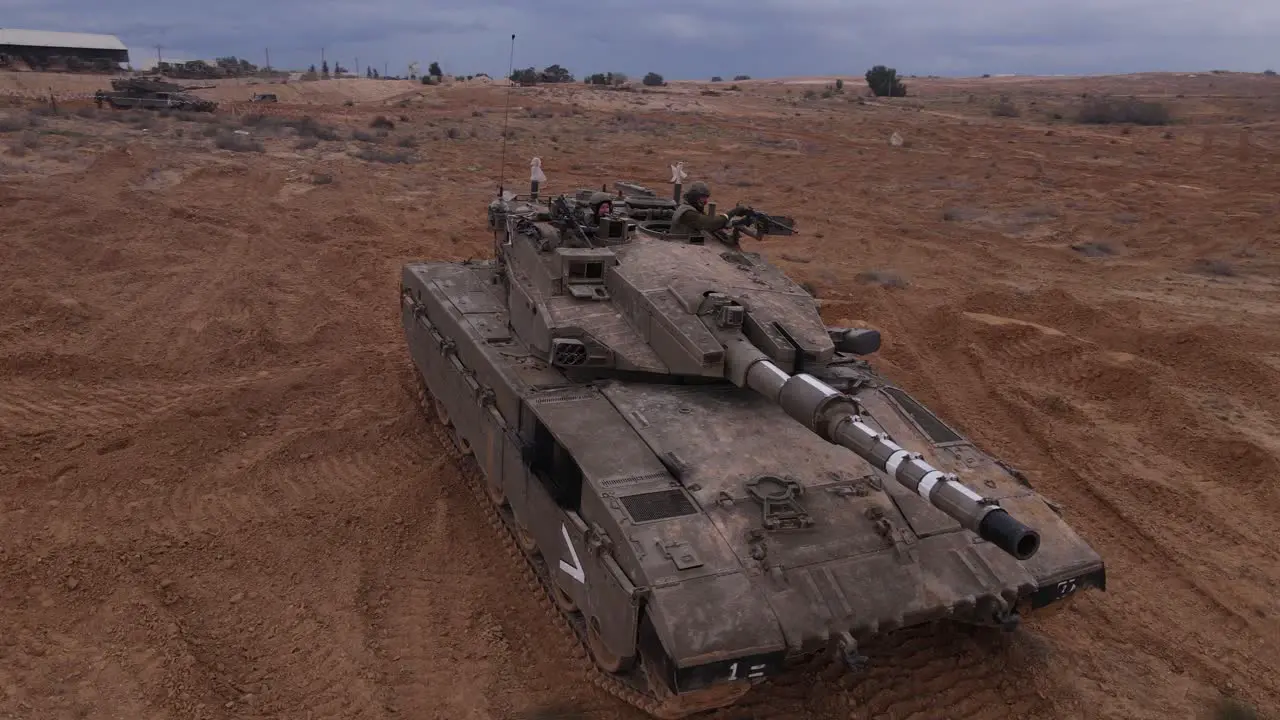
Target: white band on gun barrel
927,482
816,384
963,490
895,460
866,429
775,370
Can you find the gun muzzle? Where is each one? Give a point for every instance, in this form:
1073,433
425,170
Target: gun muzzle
1006,532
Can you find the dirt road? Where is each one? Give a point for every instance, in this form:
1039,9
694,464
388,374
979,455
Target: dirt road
220,501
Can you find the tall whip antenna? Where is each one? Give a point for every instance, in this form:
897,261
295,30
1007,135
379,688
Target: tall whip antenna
506,113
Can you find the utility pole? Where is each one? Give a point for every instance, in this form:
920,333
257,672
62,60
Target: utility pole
321,57
158,60
384,69
357,67
268,59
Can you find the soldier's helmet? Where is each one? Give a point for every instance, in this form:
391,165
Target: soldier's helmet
601,204
697,193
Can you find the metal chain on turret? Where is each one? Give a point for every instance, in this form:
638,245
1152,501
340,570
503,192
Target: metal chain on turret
573,637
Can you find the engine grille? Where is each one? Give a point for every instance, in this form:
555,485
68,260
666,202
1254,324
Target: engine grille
658,505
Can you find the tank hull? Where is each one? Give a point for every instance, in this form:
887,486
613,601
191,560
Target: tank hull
694,538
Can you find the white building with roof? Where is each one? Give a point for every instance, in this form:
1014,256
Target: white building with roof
42,48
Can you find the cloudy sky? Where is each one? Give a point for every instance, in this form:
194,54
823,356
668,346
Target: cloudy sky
693,39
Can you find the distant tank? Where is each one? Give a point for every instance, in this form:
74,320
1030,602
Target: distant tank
709,483
152,94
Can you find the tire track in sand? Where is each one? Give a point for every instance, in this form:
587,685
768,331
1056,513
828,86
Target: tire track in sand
444,654
31,407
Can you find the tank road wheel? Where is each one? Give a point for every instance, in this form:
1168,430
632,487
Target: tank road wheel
463,446
496,494
432,408
563,599
441,414
525,539
608,661
425,398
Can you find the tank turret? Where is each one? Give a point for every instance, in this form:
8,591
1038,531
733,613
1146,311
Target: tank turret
709,482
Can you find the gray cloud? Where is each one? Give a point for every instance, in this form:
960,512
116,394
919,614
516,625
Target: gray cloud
695,38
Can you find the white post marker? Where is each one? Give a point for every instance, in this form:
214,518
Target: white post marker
677,179
536,177
574,570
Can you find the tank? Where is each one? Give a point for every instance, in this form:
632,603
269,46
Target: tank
152,93
709,484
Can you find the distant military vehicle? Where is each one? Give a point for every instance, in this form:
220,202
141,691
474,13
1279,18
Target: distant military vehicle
152,94
709,483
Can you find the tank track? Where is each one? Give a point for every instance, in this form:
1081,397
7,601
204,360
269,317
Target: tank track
636,688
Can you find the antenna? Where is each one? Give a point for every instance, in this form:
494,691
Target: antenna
511,66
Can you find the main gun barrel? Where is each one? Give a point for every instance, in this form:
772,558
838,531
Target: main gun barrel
835,417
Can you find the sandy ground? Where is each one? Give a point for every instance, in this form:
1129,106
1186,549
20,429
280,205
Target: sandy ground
219,501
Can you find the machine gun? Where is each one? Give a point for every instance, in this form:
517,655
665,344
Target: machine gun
756,224
763,224
562,215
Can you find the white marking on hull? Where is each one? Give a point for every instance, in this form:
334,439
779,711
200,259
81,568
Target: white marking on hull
574,570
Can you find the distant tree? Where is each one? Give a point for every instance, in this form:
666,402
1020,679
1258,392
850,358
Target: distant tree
313,70
527,76
324,68
717,78
376,75
652,79
434,70
839,85
1269,73
741,77
884,82
368,72
555,74
338,69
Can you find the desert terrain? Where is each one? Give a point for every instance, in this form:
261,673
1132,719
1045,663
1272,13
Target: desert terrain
219,498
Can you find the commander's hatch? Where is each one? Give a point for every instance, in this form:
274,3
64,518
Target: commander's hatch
583,270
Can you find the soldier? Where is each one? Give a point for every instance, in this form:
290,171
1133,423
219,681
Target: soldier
601,204
691,215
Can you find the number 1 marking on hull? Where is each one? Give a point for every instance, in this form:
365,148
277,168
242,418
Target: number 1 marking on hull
574,570
756,671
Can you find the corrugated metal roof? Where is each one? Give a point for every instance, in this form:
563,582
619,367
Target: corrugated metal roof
44,38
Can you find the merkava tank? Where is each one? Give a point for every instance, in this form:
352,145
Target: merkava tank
709,483
152,93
